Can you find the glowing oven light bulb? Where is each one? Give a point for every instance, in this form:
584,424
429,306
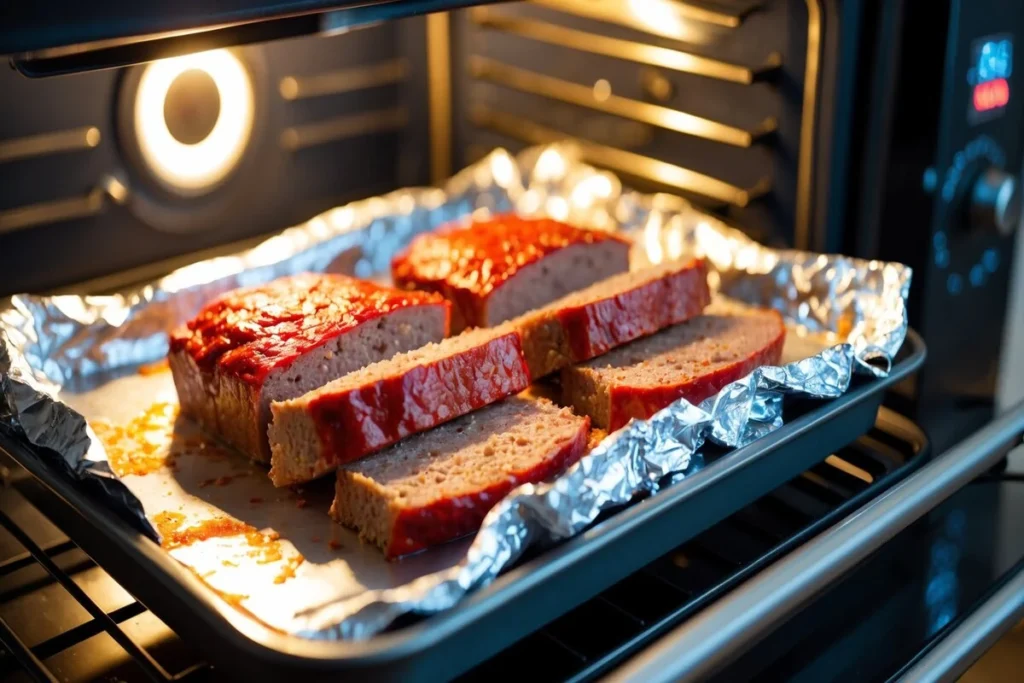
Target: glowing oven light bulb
194,166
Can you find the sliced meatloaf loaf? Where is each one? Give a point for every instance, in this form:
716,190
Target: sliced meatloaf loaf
278,340
496,269
439,485
693,360
382,403
610,313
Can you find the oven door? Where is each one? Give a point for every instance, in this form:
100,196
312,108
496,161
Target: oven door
916,585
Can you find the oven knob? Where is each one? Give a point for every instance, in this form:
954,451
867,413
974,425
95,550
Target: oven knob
995,202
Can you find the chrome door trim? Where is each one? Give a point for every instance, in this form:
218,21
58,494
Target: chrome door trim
735,623
965,644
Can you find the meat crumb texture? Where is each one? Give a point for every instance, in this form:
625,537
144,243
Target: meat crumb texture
278,340
372,408
611,313
693,360
439,485
496,269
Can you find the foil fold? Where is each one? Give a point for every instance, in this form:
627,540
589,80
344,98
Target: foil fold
50,345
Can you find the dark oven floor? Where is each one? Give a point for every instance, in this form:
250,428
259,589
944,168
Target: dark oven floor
72,622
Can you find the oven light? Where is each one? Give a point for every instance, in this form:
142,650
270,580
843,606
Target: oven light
179,160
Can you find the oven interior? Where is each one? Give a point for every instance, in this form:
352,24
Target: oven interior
745,107
706,100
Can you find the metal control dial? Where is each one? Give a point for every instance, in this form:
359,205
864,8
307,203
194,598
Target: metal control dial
994,203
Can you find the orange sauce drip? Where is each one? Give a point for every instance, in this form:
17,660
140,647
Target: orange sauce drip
288,572
266,548
218,527
168,523
141,446
154,368
233,599
149,443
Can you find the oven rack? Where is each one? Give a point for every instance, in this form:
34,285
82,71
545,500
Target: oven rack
632,613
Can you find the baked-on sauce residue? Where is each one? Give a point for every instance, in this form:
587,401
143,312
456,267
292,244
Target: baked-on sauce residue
154,368
218,527
266,545
149,442
288,572
250,331
143,445
219,481
481,255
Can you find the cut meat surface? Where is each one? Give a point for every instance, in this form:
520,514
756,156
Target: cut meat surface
693,360
610,313
382,403
439,485
497,269
279,340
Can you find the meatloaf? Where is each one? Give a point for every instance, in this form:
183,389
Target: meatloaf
494,270
610,313
382,403
693,360
278,340
439,485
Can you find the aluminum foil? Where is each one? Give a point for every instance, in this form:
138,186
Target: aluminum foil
54,349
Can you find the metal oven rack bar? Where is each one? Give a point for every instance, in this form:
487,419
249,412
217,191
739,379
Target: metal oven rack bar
734,624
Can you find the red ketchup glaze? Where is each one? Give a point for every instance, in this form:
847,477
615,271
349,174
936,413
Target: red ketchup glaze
466,262
248,332
359,421
597,327
642,403
450,518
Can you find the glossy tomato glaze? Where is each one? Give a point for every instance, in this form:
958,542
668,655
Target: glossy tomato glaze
249,332
449,518
599,326
466,262
643,402
356,422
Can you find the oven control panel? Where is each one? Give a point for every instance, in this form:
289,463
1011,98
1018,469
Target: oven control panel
991,191
975,183
979,188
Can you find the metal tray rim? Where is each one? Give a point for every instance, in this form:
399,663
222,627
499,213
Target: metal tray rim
255,639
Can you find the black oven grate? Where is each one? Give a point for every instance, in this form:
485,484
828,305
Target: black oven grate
62,618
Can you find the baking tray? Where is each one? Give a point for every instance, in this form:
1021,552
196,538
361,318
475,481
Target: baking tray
538,588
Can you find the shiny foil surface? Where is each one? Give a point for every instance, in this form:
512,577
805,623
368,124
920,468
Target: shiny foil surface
848,316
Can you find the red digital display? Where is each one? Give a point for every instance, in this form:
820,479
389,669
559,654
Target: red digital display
991,95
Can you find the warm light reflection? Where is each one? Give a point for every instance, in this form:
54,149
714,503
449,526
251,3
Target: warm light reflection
199,166
550,166
659,17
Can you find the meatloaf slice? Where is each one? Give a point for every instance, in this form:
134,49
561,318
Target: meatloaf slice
494,270
608,314
693,360
439,485
278,340
382,403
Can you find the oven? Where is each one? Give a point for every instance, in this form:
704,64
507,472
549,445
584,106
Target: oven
136,138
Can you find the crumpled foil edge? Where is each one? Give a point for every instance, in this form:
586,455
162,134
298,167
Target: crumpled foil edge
48,344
